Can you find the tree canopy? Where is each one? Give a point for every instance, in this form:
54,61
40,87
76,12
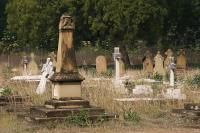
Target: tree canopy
33,24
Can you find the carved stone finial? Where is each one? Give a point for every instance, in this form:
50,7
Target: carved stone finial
66,23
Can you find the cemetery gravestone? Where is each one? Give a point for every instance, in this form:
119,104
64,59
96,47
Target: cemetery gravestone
148,63
169,54
25,62
159,68
101,64
181,60
32,66
117,58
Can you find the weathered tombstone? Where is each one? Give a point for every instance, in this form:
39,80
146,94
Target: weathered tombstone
168,54
101,64
181,61
32,66
66,102
171,68
117,58
148,63
159,68
25,62
47,72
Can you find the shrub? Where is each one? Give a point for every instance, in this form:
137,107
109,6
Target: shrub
6,91
80,119
132,116
157,77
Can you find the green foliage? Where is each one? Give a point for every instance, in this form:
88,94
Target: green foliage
157,77
132,116
6,91
80,119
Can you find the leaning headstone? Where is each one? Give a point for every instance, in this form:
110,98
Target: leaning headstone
181,61
148,63
47,72
168,54
159,68
101,64
32,66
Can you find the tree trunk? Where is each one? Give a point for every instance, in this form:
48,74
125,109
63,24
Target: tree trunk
125,57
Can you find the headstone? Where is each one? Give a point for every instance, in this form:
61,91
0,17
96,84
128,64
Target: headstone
117,58
168,54
47,72
25,62
171,69
159,68
181,60
101,64
148,63
32,66
66,79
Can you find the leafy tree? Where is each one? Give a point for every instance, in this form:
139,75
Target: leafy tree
119,21
35,22
2,17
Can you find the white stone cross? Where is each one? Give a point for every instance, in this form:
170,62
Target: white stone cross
47,72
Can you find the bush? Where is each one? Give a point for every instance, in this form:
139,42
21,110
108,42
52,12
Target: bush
6,91
132,116
80,119
157,77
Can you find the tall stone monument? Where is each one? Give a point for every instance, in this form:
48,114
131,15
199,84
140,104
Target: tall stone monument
169,54
66,100
66,79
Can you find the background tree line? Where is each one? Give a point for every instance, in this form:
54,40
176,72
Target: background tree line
33,24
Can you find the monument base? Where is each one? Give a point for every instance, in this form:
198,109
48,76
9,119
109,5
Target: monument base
65,109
